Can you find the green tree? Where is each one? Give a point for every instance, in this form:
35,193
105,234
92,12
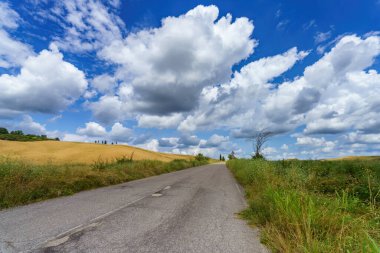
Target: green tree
201,157
232,156
3,130
17,132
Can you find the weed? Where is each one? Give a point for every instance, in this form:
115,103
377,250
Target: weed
125,159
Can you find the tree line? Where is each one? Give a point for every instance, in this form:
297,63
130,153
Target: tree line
18,135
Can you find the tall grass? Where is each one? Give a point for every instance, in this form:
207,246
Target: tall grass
22,182
313,206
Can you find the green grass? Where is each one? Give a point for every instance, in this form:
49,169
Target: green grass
313,206
22,182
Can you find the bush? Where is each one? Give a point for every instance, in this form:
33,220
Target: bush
258,156
17,132
3,130
201,157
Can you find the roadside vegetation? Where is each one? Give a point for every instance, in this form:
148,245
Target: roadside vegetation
313,206
22,182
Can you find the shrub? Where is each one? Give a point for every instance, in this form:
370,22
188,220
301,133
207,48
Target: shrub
3,130
201,157
17,132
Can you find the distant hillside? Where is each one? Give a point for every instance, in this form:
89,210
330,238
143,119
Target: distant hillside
74,152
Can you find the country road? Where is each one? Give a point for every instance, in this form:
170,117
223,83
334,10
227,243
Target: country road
192,210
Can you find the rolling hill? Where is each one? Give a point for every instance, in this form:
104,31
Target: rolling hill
75,152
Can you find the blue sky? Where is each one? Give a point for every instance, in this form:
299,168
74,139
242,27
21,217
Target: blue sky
195,76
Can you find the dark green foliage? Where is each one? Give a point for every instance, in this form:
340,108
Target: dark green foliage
201,157
257,156
18,135
3,130
17,132
232,156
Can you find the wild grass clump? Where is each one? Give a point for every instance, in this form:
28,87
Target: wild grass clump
22,182
313,206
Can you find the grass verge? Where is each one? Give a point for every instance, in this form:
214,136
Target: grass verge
22,182
313,206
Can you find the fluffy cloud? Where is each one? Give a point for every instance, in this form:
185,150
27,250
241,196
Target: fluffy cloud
150,145
88,24
154,121
166,68
28,126
104,83
344,97
168,142
348,89
216,141
192,145
312,141
8,17
94,130
46,83
269,151
12,52
109,109
121,133
360,138
188,140
240,100
321,143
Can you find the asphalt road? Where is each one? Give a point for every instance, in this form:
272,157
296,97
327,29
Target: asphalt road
193,210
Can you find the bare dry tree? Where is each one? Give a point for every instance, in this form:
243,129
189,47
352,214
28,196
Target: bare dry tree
258,141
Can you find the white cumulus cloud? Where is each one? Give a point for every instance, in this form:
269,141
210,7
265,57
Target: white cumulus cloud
166,68
46,83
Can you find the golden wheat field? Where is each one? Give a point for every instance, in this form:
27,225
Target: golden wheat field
75,152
